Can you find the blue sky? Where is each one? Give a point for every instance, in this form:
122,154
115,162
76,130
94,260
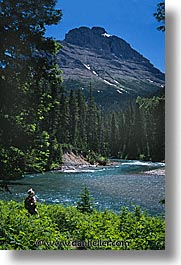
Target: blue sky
131,20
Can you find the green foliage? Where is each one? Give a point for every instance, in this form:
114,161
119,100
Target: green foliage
91,157
58,155
138,132
94,158
29,81
85,204
101,160
81,126
68,228
73,118
20,231
114,136
142,157
160,15
37,117
12,163
37,157
152,116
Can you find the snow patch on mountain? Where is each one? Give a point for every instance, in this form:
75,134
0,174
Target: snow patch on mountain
119,91
95,73
106,35
87,66
107,82
151,81
116,82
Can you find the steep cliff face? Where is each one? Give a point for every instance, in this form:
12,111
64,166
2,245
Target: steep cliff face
115,70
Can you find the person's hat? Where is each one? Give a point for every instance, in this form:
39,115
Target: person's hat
30,191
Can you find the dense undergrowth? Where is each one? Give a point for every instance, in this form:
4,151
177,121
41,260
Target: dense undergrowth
68,228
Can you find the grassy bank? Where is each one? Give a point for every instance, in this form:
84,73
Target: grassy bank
67,228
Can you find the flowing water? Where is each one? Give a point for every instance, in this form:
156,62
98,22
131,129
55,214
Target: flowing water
123,184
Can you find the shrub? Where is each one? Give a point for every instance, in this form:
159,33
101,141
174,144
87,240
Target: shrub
102,160
68,228
12,163
20,231
85,204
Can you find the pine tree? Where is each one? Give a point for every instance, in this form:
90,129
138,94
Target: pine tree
73,118
160,15
153,117
114,136
63,132
85,204
29,77
122,135
102,145
81,123
92,122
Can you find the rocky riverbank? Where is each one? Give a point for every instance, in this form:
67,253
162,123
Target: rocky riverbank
72,161
76,161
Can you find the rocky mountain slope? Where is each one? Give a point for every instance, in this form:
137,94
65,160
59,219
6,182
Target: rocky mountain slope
115,71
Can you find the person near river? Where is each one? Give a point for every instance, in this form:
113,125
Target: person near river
30,202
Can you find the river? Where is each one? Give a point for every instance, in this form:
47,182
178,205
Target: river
123,184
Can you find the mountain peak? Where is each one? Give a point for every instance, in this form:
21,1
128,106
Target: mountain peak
116,71
87,37
98,38
85,31
98,30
